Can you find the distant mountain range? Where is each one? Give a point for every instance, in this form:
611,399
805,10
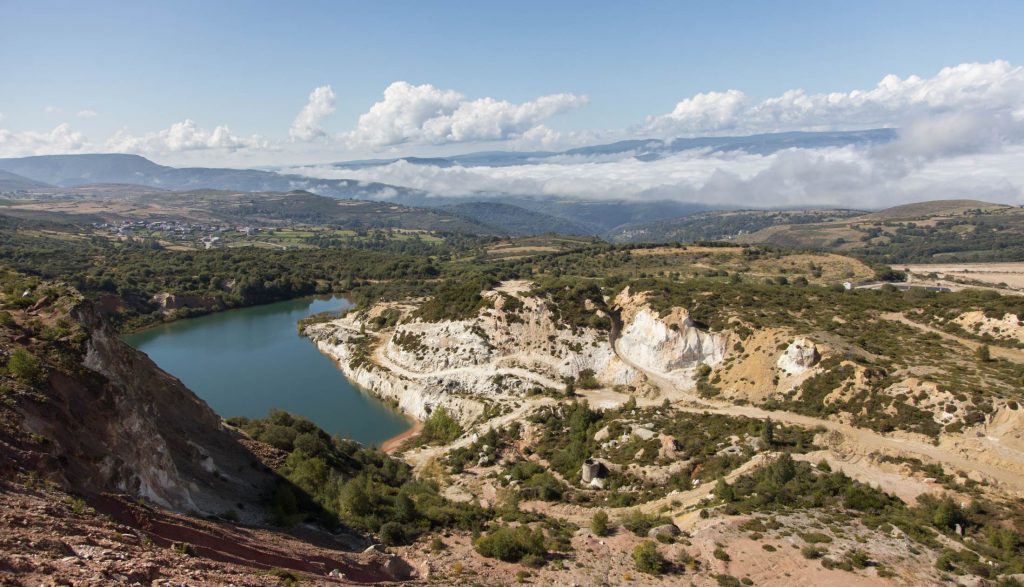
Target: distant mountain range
650,149
79,170
513,214
10,182
508,214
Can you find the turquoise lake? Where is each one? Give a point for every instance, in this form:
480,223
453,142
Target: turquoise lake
245,362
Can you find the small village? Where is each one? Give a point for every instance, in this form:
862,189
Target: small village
209,235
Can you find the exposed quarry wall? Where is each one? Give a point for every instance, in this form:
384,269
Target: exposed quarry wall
124,425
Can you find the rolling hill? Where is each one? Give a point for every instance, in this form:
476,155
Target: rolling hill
11,182
79,170
517,221
718,225
934,231
118,202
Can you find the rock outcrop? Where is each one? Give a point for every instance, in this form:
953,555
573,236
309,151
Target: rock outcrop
670,345
121,424
799,356
502,354
169,303
508,350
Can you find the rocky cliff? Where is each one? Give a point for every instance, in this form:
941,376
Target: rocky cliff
515,346
669,345
105,418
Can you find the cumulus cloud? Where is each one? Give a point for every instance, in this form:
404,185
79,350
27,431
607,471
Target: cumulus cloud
182,136
425,114
87,113
62,139
970,87
307,125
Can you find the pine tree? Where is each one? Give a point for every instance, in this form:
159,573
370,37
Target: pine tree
768,433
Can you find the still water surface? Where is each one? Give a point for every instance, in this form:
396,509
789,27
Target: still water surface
244,362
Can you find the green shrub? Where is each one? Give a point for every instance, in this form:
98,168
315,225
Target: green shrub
984,353
648,559
392,533
587,379
511,544
26,367
440,428
599,523
812,552
640,523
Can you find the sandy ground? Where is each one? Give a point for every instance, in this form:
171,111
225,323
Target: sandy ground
1012,274
391,445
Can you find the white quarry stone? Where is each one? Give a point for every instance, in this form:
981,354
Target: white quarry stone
799,356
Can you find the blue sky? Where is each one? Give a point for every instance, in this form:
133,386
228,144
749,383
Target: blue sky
250,65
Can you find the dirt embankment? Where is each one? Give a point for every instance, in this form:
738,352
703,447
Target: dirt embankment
48,537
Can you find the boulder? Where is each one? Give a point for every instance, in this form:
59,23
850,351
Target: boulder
670,530
643,433
799,356
669,448
592,469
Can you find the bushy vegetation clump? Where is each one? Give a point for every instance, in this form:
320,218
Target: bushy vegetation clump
512,544
988,529
456,300
648,560
25,367
599,523
335,480
440,428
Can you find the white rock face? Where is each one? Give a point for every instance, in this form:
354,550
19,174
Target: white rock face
799,356
673,348
506,351
417,397
499,356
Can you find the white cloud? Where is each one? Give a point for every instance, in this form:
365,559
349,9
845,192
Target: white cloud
849,177
970,87
182,136
52,110
62,139
711,111
87,113
307,125
425,114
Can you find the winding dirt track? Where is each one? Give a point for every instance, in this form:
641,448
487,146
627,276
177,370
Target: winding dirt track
862,440
1004,466
999,352
381,359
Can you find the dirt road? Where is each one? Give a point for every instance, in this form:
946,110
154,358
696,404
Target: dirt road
1008,471
999,352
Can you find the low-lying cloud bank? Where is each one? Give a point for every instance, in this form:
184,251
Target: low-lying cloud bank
856,177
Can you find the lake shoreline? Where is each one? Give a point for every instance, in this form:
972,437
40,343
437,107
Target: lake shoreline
173,317
247,361
392,444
